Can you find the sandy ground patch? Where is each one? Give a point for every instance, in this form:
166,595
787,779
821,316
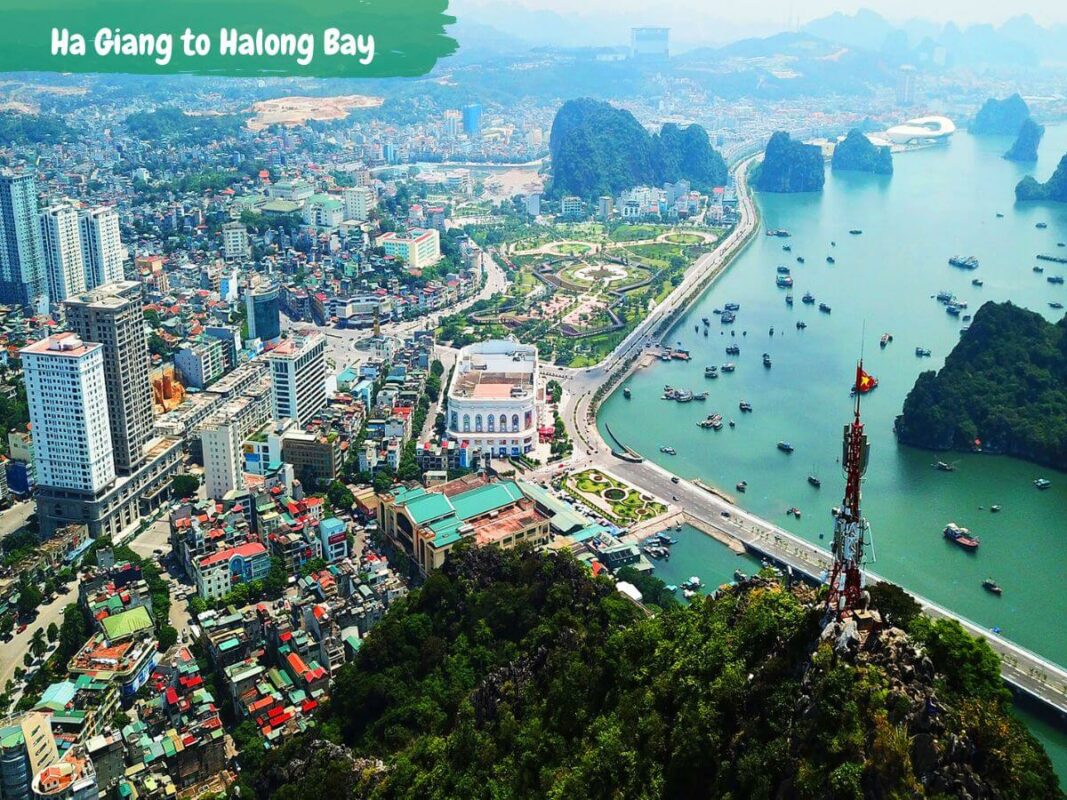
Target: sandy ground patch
296,110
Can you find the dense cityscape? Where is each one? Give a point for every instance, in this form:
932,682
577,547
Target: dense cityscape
334,456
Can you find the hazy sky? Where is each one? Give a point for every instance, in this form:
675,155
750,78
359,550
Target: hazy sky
781,11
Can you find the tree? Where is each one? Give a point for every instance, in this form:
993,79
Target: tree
896,606
340,496
30,597
383,481
167,637
184,485
7,624
38,645
53,632
277,579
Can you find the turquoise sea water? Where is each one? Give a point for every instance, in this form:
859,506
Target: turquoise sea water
940,202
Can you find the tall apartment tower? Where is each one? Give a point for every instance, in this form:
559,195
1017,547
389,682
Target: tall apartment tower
221,442
263,312
112,315
27,746
101,246
358,200
22,267
69,413
234,241
62,251
298,374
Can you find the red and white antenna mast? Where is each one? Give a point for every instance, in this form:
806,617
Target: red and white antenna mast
850,528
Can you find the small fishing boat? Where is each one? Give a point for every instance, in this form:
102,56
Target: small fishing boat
1055,304
977,282
922,352
729,367
855,231
745,406
1039,269
668,450
824,308
886,339
793,511
800,259
731,423
733,350
789,299
700,397
783,270
942,466
767,360
626,392
831,260
801,326
961,536
808,298
1041,226
741,486
711,371
732,306
785,447
994,509
992,587
784,281
813,479
1042,483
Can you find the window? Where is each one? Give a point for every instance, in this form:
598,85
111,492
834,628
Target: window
478,423
514,422
492,423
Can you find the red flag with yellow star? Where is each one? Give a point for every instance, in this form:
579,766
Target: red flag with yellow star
865,381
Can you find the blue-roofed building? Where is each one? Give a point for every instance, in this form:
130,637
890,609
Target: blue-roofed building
428,524
333,533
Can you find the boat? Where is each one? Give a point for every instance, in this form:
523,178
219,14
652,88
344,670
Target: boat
1042,483
696,329
1041,226
794,511
684,396
1055,304
966,317
668,450
731,423
824,308
745,406
767,360
964,262
787,248
739,576
700,397
733,350
922,352
1039,269
706,321
626,392
789,299
1000,215
783,270
994,509
813,479
711,371
942,466
808,298
977,282
783,281
886,339
833,243
680,355
961,536
728,367
952,309
855,231
800,259
727,318
785,447
705,332
732,307
781,233
713,421
991,586
741,486
831,260
1054,279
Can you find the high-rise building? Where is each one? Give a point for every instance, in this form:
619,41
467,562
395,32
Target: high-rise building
27,746
650,44
221,442
68,403
61,238
453,120
22,266
263,313
472,120
101,246
906,79
358,200
112,315
298,374
234,240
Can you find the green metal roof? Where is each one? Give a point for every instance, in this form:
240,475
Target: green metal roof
564,518
127,623
429,507
485,499
446,531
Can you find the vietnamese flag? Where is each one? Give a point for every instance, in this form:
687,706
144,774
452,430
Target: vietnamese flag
864,381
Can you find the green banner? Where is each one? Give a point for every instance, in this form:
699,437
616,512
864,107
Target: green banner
320,38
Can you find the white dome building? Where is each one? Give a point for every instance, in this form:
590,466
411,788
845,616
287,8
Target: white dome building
921,129
494,398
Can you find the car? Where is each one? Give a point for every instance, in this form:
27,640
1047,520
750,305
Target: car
724,513
21,628
674,479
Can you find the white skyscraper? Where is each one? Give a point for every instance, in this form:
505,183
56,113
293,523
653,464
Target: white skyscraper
101,246
234,241
68,411
359,200
222,456
62,252
298,373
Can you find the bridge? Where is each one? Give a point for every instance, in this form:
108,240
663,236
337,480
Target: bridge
1027,674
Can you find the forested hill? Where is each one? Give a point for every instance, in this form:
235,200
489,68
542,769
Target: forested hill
1002,117
1004,384
598,149
1054,189
789,166
859,154
515,675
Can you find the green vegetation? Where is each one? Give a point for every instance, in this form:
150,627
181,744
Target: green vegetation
625,503
856,152
184,485
598,149
1054,189
684,238
25,129
1024,148
173,124
1003,388
1001,117
789,166
516,675
654,592
19,545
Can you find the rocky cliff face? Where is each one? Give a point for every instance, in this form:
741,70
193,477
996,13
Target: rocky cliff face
1054,189
1001,117
1025,146
859,154
790,166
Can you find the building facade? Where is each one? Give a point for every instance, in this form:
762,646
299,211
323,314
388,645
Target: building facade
418,247
102,252
22,266
234,241
61,237
493,400
298,375
263,313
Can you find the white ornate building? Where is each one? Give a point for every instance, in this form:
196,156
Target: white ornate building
494,398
